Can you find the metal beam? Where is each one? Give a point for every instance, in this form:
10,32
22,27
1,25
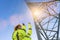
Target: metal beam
37,31
58,28
49,30
44,31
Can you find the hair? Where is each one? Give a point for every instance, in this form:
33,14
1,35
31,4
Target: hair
17,27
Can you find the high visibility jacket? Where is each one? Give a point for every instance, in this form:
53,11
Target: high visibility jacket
18,34
21,34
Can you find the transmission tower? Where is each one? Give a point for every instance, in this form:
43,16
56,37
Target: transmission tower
47,20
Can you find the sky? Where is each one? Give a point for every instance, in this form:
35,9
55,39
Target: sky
13,12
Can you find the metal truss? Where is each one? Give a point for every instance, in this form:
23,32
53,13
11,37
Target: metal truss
48,28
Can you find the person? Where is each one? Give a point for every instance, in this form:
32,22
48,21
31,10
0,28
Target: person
20,32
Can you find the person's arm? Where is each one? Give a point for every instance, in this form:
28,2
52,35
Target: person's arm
29,29
24,27
14,35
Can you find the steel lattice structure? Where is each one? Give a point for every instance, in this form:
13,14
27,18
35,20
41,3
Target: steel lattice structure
47,24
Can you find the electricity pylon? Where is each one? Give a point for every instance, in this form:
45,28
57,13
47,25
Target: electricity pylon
47,20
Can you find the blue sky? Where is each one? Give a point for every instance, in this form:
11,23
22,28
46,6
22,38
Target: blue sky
13,12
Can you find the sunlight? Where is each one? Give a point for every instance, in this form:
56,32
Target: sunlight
38,13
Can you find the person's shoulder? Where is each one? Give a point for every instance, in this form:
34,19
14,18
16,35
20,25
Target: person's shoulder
15,31
19,30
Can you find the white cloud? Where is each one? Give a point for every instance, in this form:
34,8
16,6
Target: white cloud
15,19
3,24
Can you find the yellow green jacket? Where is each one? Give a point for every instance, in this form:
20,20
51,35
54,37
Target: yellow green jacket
21,34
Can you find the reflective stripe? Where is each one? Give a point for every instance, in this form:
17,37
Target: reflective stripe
23,29
29,34
30,28
28,37
13,38
17,36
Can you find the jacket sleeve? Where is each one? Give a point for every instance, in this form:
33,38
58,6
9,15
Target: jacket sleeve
14,35
24,27
29,30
